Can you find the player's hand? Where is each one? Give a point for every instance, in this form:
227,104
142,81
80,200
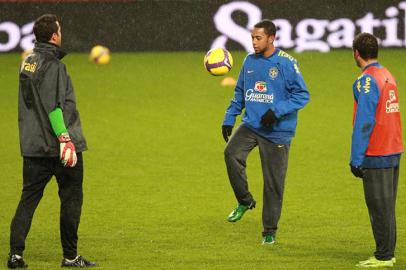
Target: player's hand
67,150
269,119
357,171
227,130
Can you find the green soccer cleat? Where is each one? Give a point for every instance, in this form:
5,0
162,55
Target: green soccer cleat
268,239
373,262
239,211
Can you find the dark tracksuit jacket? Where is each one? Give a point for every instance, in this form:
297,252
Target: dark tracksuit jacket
45,85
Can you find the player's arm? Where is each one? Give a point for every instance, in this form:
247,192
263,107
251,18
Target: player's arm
367,95
52,95
67,148
235,108
298,95
54,84
237,104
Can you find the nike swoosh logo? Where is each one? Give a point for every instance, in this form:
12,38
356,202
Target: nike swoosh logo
280,145
250,71
227,63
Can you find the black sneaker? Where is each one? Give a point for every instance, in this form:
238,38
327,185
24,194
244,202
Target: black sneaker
79,261
16,261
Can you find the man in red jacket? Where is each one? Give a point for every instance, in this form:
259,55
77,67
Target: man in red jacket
376,146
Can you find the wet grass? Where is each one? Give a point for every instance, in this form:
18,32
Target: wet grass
156,190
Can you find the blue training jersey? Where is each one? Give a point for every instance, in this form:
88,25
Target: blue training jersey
366,95
272,83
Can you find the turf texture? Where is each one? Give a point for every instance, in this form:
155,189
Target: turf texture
156,190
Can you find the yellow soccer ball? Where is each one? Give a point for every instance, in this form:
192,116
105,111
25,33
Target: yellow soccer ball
218,61
99,55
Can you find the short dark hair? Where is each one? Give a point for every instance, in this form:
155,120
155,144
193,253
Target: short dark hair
268,25
45,26
367,46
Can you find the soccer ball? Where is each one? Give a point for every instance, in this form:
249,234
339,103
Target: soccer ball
100,55
218,61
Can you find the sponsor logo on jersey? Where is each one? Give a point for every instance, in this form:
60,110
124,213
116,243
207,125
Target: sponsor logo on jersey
253,96
260,86
367,85
273,73
391,105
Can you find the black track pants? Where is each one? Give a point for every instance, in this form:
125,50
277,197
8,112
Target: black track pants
274,161
380,189
36,174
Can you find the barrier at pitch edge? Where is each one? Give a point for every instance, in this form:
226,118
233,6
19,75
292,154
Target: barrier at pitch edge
222,29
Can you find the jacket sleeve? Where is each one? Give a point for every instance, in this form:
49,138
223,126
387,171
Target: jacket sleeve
298,95
237,103
52,89
366,94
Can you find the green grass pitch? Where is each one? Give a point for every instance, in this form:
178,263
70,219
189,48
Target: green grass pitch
156,191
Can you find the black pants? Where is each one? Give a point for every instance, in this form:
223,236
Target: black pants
36,174
274,161
380,189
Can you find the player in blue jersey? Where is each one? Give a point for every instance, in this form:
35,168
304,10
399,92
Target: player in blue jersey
376,146
271,89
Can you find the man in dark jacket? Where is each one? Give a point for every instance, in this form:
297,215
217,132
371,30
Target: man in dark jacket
51,142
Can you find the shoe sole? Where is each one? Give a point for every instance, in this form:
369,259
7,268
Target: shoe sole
233,220
373,266
366,265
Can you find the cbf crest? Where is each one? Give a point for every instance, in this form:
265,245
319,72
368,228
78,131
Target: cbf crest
273,73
